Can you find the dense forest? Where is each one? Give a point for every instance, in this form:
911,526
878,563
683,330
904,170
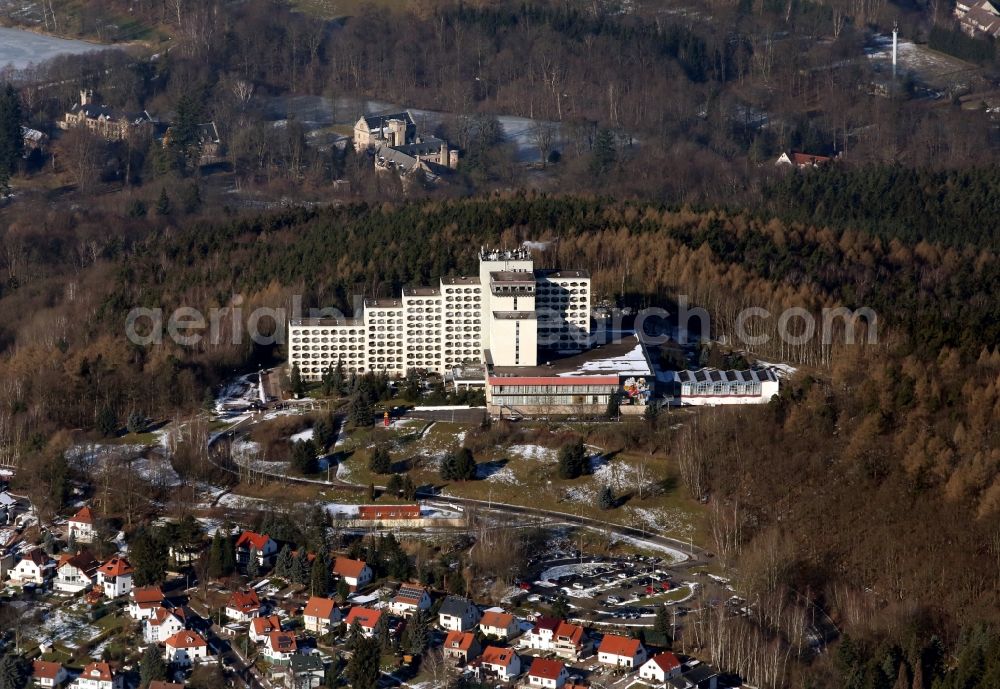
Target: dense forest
955,207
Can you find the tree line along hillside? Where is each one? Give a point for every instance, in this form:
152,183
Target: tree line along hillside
899,436
597,75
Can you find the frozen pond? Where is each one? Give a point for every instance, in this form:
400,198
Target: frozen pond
22,48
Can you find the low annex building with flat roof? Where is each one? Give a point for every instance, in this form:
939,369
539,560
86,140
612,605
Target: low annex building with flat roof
710,387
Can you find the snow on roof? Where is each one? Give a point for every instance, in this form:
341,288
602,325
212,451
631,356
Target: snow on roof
631,363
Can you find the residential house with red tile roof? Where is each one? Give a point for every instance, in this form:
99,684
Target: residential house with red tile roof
144,601
243,606
367,618
542,634
547,673
162,624
76,573
81,527
99,675
45,674
262,544
498,624
409,599
35,567
115,577
562,638
802,160
280,647
355,573
320,615
462,647
185,648
262,627
661,667
500,663
571,641
621,651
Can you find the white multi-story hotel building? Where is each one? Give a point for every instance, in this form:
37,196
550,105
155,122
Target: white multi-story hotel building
502,318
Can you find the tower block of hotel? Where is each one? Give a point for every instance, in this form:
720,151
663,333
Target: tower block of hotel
500,318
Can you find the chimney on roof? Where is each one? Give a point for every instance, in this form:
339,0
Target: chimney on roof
86,96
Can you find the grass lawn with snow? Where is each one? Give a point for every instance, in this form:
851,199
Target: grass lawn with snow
646,488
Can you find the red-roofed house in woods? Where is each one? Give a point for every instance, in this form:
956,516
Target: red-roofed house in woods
320,615
243,606
261,628
546,673
621,651
461,646
98,675
115,577
48,675
661,667
355,573
802,160
185,648
81,526
144,601
248,542
366,618
501,663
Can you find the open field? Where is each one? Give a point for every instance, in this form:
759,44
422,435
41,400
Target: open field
22,48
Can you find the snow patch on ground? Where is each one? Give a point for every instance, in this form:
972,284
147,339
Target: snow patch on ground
583,568
673,554
64,625
581,494
341,510
240,502
248,453
534,452
619,476
238,394
20,48
91,455
500,475
663,519
302,436
158,472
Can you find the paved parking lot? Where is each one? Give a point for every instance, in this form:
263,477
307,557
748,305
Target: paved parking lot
624,591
